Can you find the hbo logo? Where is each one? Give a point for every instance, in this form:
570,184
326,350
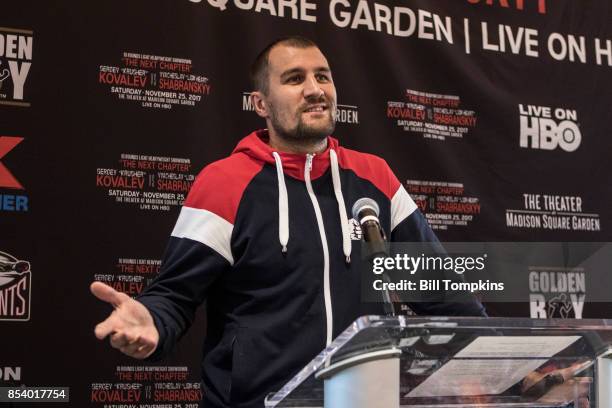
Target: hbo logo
540,131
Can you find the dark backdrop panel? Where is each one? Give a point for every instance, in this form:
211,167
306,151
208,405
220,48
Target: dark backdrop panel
103,153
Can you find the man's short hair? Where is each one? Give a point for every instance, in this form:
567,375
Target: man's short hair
259,68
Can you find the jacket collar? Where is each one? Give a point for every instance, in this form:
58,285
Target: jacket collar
256,146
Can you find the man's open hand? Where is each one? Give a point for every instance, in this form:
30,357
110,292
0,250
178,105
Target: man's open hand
130,326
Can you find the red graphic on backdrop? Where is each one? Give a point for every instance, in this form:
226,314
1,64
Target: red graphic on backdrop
131,275
155,81
154,386
434,116
8,143
151,182
444,204
517,4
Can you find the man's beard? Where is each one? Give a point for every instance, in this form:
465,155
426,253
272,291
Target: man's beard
303,133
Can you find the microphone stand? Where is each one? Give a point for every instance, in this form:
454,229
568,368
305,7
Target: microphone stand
377,248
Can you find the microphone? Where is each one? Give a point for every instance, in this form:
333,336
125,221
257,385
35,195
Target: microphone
365,211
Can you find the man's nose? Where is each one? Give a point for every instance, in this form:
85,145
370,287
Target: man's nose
312,88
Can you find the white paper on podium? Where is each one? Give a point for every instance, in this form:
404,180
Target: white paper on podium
490,365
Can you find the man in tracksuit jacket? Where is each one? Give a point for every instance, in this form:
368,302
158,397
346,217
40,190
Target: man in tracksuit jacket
265,237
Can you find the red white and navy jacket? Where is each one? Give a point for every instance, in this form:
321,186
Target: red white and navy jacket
265,238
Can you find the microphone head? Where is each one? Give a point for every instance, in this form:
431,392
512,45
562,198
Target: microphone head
362,204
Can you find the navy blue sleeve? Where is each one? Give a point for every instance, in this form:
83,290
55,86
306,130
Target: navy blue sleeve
188,269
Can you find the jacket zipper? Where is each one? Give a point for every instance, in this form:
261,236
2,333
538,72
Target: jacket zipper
326,289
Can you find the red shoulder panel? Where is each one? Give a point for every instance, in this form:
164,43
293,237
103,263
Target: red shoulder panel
220,185
371,168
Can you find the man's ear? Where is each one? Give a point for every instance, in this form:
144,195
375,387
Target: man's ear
259,103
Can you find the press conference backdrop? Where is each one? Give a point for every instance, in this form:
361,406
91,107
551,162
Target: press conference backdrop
494,114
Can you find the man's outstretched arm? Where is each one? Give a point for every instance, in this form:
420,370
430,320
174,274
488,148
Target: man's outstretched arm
130,326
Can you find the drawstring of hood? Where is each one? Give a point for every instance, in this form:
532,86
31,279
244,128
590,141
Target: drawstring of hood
346,238
283,204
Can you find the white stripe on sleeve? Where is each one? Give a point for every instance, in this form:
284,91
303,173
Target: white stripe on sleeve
402,206
205,227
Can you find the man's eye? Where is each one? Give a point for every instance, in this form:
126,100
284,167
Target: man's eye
294,79
322,78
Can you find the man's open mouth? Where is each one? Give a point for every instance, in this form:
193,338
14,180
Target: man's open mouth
316,108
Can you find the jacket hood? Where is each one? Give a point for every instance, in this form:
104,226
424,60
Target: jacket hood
293,165
255,145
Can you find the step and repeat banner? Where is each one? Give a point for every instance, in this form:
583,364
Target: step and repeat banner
493,113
